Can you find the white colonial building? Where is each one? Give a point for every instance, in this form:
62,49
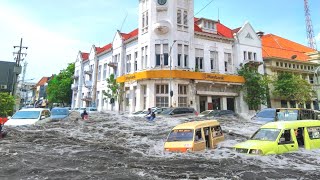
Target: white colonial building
196,58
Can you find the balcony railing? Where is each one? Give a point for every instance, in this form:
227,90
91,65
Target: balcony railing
88,84
74,86
113,64
88,71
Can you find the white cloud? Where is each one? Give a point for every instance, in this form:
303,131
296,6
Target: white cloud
48,52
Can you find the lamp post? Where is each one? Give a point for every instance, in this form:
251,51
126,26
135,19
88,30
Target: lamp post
171,92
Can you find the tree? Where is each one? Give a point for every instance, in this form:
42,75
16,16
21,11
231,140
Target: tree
255,87
59,87
114,90
288,86
7,103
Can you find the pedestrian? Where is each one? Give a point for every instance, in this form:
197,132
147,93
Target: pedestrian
152,117
149,115
84,115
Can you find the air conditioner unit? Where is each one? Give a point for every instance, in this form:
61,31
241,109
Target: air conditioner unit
3,86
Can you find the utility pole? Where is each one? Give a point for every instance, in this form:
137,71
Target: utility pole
17,69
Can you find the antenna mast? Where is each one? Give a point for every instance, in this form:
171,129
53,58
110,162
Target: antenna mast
310,34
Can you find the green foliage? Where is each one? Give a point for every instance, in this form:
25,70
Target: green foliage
114,89
59,87
7,103
288,86
255,87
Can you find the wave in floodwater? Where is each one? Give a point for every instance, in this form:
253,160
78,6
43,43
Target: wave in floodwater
111,146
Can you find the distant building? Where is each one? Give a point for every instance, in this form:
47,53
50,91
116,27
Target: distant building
7,76
283,55
40,94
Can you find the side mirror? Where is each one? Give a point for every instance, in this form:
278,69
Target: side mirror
42,117
9,117
282,141
171,113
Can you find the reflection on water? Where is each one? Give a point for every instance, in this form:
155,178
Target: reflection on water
109,146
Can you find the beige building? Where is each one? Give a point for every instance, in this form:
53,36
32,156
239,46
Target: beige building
279,55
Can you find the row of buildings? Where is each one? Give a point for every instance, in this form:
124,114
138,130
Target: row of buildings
175,60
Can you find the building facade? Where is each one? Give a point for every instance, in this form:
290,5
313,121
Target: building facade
283,55
7,76
171,60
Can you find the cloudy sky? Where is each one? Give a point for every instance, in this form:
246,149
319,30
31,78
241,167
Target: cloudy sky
55,30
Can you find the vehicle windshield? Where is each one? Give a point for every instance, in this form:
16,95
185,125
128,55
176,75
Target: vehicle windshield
287,115
180,135
266,134
205,112
167,111
266,113
59,112
26,115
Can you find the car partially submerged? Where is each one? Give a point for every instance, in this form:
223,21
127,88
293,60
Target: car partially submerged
282,137
28,116
59,113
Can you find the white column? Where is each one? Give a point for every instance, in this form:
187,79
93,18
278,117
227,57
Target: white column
150,95
224,103
175,97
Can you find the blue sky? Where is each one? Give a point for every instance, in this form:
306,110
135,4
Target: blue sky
56,30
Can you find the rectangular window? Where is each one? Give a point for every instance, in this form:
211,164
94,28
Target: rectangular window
199,59
245,55
165,54
186,56
142,58
105,67
182,101
227,62
99,72
146,56
179,17
182,89
162,99
158,54
284,104
293,104
128,63
255,56
250,55
214,61
314,132
311,80
185,18
135,61
179,55
98,94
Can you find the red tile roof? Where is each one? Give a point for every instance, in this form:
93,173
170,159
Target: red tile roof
42,81
84,56
224,30
278,47
130,35
103,49
236,30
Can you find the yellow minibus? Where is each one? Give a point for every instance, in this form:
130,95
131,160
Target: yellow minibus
194,136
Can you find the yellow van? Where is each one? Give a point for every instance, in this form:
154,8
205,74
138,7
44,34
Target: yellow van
281,137
194,136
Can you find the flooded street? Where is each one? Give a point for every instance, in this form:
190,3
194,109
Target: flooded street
110,146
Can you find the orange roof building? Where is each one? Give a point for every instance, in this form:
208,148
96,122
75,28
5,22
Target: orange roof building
282,55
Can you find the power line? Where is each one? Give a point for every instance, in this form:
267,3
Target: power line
204,7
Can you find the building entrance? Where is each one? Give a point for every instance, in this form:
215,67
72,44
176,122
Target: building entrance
216,103
230,104
203,101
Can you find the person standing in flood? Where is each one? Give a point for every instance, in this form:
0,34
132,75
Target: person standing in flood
84,115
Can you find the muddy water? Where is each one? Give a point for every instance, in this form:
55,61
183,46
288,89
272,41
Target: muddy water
109,146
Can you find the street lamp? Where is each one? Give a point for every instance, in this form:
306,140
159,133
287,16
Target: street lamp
171,92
